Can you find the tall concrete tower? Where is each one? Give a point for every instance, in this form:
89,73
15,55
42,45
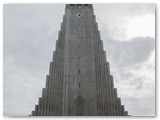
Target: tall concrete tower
79,81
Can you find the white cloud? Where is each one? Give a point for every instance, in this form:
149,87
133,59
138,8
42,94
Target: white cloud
141,26
125,21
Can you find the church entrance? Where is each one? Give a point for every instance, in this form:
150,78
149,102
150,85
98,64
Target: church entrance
79,107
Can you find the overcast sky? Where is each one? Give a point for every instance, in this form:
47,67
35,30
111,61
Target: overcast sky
128,34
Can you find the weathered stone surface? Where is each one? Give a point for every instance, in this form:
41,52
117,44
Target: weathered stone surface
79,80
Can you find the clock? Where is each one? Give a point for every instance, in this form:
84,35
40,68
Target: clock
79,14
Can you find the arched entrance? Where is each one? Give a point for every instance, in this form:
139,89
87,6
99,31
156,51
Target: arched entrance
79,107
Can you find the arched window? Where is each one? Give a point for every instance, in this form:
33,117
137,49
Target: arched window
79,106
79,109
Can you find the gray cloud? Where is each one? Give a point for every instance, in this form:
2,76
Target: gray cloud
141,107
130,52
30,32
132,65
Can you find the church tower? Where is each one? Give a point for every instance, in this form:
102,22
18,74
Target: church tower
79,81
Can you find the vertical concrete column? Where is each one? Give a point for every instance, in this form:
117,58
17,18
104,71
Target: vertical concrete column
104,80
112,95
36,110
40,108
123,111
116,102
119,107
107,88
33,113
126,113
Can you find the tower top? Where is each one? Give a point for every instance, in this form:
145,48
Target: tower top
78,5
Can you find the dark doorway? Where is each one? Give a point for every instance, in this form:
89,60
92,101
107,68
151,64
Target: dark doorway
79,109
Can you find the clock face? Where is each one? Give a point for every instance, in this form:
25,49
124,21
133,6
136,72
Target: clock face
79,14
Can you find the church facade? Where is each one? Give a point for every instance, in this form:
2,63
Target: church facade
79,82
